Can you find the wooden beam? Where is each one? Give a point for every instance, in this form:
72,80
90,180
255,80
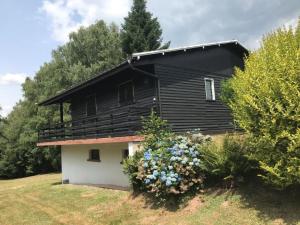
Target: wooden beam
92,141
61,110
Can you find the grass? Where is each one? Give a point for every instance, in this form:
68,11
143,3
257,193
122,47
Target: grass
43,200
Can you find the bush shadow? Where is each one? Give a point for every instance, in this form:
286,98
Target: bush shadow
172,204
270,204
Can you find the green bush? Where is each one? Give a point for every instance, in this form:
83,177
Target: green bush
230,161
130,167
264,98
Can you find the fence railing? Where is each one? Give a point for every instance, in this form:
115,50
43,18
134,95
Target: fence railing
115,122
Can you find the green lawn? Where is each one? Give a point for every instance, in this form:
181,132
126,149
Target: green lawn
43,200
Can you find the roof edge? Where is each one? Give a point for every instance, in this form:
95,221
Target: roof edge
162,51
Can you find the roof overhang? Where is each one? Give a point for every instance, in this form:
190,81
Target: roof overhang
64,95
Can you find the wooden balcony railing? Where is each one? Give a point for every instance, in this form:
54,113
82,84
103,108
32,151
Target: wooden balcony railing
115,122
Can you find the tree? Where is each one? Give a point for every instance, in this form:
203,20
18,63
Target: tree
140,31
264,99
89,51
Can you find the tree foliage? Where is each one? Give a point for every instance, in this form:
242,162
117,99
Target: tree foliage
89,51
140,31
265,100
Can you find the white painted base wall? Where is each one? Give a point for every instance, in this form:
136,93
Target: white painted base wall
78,170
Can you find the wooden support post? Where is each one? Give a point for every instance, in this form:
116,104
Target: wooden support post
61,110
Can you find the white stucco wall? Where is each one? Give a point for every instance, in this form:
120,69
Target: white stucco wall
78,170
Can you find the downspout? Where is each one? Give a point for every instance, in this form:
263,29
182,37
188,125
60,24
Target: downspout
157,84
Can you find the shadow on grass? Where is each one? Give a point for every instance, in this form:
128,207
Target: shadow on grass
271,204
172,204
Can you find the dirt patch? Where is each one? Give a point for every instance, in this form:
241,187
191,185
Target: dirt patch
193,205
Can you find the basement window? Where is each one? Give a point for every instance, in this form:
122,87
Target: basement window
126,93
94,155
125,155
210,89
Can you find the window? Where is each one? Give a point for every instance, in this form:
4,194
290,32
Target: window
94,155
126,93
125,154
91,105
210,89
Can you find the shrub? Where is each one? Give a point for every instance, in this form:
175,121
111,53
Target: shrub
130,167
170,165
230,162
264,98
173,168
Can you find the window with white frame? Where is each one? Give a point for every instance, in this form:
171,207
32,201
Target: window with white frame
210,89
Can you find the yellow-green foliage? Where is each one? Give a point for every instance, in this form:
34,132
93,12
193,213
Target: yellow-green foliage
265,102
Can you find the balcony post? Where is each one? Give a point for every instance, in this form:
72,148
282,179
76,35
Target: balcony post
61,110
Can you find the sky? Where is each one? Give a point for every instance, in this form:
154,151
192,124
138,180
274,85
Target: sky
31,29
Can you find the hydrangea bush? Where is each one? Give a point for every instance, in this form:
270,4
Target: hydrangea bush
174,167
170,164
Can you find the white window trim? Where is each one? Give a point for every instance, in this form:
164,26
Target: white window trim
212,89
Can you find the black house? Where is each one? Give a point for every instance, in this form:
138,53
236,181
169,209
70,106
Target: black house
182,85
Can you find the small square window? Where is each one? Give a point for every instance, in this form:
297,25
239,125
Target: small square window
94,155
125,154
210,89
126,93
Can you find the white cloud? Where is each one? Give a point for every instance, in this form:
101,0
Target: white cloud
183,22
12,78
68,15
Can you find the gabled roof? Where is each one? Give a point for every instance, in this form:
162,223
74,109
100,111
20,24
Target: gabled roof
138,55
129,64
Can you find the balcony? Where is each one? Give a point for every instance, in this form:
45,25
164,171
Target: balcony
112,123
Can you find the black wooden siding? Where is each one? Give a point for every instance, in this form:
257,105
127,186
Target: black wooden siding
184,104
107,94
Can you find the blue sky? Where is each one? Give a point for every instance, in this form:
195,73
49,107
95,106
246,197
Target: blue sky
30,29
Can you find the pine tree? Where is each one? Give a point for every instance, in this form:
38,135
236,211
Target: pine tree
140,31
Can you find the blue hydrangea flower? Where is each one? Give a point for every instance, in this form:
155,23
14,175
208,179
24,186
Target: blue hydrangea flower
168,183
163,173
195,160
145,165
147,181
163,178
147,155
155,173
173,179
183,162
